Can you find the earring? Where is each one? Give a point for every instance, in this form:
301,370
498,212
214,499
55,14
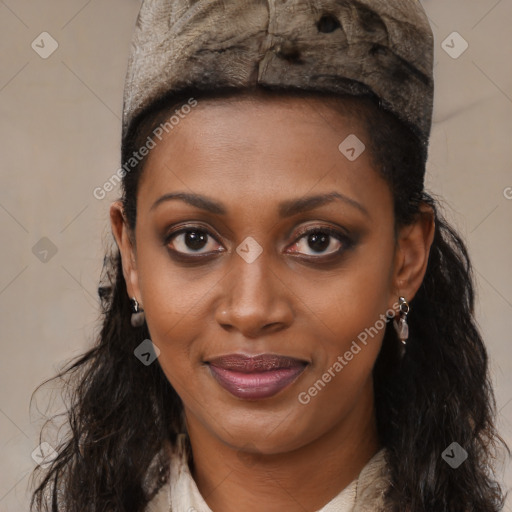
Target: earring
137,319
401,326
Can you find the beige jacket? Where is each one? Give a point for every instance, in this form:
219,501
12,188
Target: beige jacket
180,493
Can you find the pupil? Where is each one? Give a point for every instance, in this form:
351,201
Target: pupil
194,240
318,242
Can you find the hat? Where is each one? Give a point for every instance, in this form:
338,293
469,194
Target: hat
353,47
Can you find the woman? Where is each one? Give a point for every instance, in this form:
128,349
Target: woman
288,319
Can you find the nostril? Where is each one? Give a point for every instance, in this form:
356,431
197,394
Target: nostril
328,23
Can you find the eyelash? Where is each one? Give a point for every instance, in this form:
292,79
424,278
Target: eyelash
347,243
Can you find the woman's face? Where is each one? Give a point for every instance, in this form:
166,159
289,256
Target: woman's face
247,279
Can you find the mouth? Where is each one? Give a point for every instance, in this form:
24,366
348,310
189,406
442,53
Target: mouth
255,377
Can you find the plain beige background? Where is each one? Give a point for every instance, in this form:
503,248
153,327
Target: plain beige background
60,136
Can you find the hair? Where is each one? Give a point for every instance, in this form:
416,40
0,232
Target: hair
121,412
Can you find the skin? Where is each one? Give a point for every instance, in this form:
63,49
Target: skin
250,154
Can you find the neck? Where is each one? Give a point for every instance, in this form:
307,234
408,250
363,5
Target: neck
307,478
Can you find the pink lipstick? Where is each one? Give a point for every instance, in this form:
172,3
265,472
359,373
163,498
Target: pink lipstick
255,377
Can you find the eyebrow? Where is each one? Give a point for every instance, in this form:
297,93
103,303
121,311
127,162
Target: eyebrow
286,208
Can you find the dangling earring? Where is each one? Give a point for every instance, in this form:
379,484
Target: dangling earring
401,326
137,319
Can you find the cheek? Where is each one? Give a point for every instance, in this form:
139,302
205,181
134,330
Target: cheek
349,303
173,294
347,311
174,307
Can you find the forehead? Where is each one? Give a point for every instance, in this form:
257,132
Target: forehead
261,147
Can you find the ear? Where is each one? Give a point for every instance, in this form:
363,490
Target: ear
411,254
124,238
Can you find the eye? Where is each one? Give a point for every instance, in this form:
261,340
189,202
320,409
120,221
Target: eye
197,241
322,241
191,240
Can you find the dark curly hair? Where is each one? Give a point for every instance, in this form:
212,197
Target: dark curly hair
119,412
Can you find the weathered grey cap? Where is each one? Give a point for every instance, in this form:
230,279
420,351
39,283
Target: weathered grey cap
338,46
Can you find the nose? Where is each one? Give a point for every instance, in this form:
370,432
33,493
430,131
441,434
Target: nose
255,299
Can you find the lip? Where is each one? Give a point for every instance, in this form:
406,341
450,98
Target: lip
255,377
